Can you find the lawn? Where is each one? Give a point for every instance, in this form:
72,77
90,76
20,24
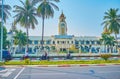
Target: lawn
62,62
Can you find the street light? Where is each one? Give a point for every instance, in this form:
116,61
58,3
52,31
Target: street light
1,32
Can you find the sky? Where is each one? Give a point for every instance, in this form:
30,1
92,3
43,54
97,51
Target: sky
83,17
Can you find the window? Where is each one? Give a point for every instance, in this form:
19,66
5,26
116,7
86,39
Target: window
62,24
72,42
41,42
98,42
76,42
92,42
30,42
57,42
82,42
87,42
68,42
48,42
29,50
35,42
53,42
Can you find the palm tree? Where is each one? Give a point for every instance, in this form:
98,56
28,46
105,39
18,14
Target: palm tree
104,39
26,16
112,21
20,39
108,40
45,10
6,12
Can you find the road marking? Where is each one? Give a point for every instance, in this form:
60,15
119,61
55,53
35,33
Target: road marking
45,73
6,74
19,73
4,70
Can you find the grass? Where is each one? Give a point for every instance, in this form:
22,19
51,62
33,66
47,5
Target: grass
63,62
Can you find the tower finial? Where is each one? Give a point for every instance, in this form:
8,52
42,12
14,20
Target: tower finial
62,11
62,16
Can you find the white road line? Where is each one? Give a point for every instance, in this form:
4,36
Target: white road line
19,73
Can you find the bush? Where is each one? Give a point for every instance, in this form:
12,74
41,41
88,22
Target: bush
105,56
27,61
1,63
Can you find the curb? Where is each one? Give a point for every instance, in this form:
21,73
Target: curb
64,65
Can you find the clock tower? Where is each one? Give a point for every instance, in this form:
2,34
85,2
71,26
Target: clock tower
62,27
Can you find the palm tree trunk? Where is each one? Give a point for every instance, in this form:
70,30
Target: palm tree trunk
116,41
116,37
42,32
104,49
27,39
111,47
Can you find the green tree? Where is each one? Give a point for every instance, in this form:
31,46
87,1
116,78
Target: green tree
45,10
6,12
108,40
112,21
4,37
26,16
20,39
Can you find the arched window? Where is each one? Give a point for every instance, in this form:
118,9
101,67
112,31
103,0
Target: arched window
36,42
30,41
87,42
82,41
48,42
53,42
93,42
58,42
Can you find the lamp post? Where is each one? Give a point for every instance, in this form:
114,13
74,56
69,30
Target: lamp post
1,32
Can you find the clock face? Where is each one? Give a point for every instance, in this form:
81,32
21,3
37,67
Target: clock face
62,24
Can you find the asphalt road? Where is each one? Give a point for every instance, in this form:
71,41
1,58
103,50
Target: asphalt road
90,72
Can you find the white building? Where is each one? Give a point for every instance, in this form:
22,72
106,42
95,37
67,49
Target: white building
63,41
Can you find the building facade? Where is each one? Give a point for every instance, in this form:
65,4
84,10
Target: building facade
63,42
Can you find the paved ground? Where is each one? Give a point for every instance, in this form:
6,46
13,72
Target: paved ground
85,72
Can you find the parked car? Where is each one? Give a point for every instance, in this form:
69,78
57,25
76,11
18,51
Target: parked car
6,55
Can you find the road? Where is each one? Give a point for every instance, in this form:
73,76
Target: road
89,72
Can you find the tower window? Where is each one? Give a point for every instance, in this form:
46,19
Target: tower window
57,42
53,42
63,42
72,42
